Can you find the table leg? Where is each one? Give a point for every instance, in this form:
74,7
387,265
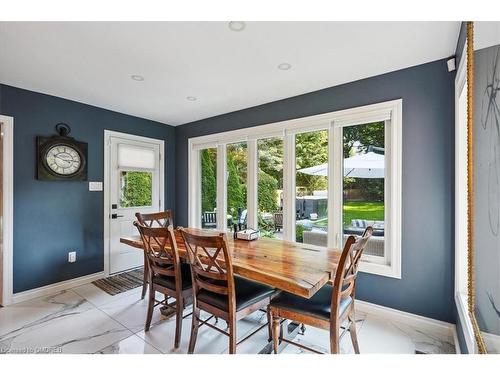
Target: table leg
289,330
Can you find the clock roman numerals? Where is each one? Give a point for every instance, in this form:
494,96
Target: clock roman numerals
63,159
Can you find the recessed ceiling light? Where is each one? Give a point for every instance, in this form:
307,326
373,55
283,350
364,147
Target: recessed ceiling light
284,66
237,25
191,98
137,77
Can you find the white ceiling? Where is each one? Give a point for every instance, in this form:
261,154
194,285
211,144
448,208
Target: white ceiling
225,70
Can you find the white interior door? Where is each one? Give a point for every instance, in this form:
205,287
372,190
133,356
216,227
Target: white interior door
136,185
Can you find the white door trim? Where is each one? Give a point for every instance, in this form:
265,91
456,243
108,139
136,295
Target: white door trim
8,208
107,154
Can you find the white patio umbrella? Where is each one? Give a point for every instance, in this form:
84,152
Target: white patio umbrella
369,165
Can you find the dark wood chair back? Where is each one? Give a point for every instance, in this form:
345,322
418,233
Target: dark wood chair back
344,284
157,219
161,251
211,265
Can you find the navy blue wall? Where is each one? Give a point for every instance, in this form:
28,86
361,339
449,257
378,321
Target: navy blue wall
426,287
52,217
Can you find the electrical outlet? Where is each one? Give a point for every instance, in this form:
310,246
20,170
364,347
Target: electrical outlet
72,257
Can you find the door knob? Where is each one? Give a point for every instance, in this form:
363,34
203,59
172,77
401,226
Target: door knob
115,216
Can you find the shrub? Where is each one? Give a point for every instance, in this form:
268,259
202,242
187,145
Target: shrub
236,189
208,182
299,233
267,192
136,189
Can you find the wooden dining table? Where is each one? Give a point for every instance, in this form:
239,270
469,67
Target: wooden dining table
294,267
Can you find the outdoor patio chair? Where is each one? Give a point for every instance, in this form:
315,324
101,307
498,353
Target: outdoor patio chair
278,221
209,219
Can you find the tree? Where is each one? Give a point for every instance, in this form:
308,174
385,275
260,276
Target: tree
236,188
238,153
136,190
311,149
208,179
267,193
364,136
271,158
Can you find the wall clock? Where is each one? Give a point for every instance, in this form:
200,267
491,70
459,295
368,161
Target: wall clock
61,157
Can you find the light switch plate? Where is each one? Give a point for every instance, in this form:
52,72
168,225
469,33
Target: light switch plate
95,186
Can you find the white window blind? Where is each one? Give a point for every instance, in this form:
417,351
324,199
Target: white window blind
135,157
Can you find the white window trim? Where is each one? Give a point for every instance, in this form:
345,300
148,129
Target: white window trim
461,211
252,181
390,111
8,210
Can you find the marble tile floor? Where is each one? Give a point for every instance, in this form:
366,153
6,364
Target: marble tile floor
87,320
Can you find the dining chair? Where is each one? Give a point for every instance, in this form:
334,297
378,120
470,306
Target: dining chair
166,274
156,219
217,290
330,307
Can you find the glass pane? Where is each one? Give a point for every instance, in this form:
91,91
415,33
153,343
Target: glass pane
311,181
136,189
208,160
135,157
236,154
364,179
270,187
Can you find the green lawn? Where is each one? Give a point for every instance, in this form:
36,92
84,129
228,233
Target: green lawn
363,210
358,210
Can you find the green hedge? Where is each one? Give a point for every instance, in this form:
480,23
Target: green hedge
267,193
208,179
137,188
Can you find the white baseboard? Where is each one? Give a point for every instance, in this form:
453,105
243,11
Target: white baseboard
434,325
455,340
54,288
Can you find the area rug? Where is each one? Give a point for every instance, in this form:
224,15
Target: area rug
122,282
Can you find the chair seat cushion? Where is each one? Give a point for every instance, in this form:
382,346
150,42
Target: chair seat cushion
169,281
318,306
247,293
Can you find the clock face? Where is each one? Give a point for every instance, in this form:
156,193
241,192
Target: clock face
63,159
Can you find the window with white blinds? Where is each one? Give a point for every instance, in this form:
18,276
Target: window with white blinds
132,157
